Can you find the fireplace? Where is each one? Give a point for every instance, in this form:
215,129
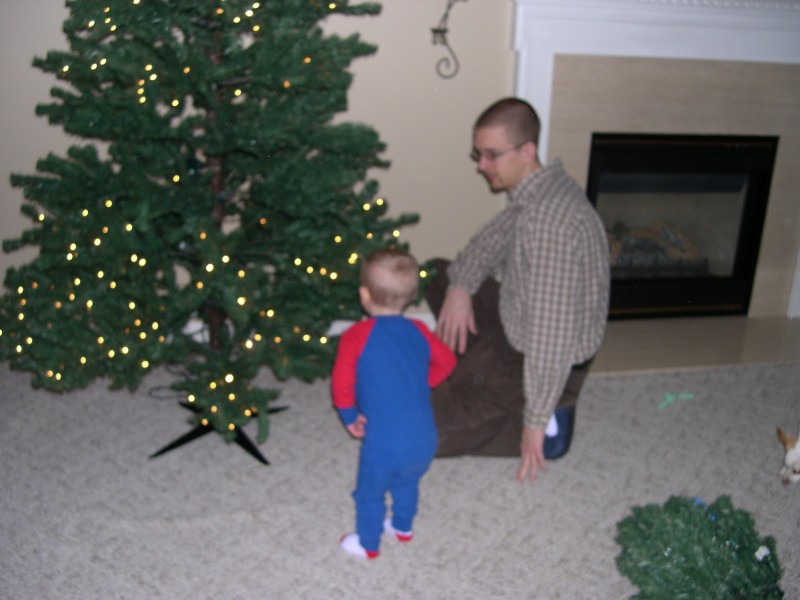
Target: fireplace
684,216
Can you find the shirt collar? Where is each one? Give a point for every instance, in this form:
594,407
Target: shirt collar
524,190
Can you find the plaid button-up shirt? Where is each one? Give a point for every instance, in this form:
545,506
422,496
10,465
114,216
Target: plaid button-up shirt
549,250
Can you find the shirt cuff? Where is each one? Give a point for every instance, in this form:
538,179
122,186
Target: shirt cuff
348,415
535,419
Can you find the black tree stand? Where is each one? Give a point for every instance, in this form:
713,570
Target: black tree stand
199,431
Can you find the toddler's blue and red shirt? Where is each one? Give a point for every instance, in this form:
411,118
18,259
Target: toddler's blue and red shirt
385,368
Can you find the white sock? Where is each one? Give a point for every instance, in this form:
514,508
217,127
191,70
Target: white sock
552,427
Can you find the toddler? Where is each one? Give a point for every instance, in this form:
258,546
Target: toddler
385,368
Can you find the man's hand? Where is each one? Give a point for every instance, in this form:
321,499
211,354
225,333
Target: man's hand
456,319
532,454
356,428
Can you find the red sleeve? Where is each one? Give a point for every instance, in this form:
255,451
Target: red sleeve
343,376
443,361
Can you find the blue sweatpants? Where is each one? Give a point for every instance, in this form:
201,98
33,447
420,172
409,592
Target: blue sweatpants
379,473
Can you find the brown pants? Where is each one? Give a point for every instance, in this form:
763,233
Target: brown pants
479,408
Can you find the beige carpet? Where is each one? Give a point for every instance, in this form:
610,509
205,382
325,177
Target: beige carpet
84,514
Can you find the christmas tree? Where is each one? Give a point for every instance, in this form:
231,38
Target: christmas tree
214,215
687,549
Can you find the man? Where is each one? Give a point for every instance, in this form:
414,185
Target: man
524,303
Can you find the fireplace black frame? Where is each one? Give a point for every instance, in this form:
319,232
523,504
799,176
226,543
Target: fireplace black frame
752,157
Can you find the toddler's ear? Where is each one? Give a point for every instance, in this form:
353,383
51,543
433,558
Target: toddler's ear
364,295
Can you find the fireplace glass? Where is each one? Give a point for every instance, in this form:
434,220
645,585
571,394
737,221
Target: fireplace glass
683,215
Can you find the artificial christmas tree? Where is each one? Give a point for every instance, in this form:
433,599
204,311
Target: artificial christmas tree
215,218
687,549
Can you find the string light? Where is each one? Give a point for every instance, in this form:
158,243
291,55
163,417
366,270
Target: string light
242,300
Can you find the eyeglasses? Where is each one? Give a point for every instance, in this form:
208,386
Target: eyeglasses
491,155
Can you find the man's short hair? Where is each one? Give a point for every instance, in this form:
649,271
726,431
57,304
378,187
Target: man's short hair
517,116
392,277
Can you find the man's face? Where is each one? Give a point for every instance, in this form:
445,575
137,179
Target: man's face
502,163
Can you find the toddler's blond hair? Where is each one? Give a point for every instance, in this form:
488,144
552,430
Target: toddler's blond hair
392,277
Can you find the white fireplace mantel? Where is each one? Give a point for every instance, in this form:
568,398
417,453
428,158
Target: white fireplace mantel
752,31
733,30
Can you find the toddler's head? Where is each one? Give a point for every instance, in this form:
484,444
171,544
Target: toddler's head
390,277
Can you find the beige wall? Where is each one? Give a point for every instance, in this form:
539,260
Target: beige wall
424,119
652,95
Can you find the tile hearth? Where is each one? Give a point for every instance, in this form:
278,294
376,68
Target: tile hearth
696,342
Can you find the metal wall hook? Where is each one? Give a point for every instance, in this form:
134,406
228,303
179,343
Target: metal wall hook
447,66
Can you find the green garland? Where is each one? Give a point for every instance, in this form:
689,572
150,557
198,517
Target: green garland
687,549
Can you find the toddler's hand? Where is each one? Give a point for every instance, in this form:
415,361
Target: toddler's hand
356,428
